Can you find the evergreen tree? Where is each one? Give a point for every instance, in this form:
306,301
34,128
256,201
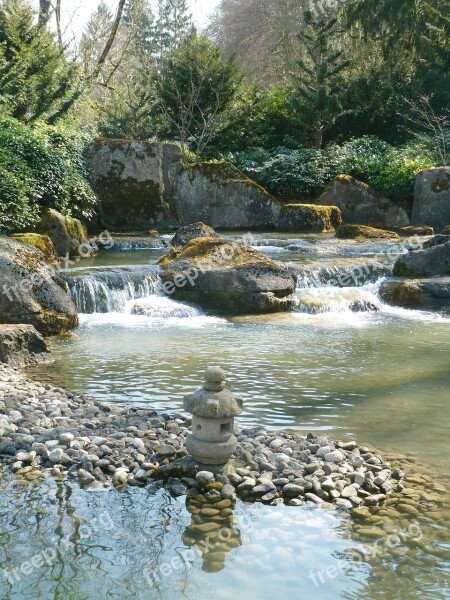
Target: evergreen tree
35,75
174,23
195,88
315,99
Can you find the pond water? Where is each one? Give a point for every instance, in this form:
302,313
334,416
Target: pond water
342,364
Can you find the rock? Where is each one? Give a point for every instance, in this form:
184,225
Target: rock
437,240
165,450
31,291
361,233
120,477
335,456
22,345
191,232
221,196
431,293
204,477
310,218
41,242
362,205
55,455
85,478
424,263
292,491
415,230
67,234
432,198
228,277
135,174
313,498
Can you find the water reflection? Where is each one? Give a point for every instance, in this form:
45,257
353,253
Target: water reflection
212,531
104,544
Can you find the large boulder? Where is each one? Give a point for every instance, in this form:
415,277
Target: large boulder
41,242
67,234
362,205
227,277
130,179
32,292
221,196
310,218
417,293
361,233
424,263
432,198
22,345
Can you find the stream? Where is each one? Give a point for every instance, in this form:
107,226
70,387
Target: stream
341,364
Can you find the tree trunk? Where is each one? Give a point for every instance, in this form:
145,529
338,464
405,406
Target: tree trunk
58,22
44,11
318,134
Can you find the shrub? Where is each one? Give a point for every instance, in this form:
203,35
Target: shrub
391,171
41,167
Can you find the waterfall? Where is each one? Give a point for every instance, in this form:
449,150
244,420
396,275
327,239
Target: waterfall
110,290
341,276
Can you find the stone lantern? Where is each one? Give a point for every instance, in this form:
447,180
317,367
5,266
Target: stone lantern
213,408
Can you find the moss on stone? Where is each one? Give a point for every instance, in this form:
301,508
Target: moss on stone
41,242
223,173
347,180
310,218
363,232
217,252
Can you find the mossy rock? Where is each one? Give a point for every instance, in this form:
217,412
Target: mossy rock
32,292
362,205
413,230
362,233
69,236
227,277
221,196
309,218
41,242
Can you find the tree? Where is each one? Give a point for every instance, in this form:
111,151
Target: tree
123,97
195,88
36,77
315,100
174,23
262,34
429,129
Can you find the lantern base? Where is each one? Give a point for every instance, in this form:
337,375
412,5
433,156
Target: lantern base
211,453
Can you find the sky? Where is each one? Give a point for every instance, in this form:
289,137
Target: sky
77,12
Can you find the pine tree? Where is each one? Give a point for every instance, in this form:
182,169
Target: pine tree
174,23
35,75
317,85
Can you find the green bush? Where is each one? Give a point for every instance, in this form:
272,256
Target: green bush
41,167
306,172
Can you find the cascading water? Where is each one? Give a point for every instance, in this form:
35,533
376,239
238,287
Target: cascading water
111,290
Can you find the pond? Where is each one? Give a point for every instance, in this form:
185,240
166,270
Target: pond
343,364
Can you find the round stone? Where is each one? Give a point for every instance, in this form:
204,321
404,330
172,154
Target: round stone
215,375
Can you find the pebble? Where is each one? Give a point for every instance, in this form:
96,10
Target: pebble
43,428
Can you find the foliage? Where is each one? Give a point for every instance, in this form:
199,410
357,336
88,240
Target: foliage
317,84
429,129
41,167
36,76
306,172
195,87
